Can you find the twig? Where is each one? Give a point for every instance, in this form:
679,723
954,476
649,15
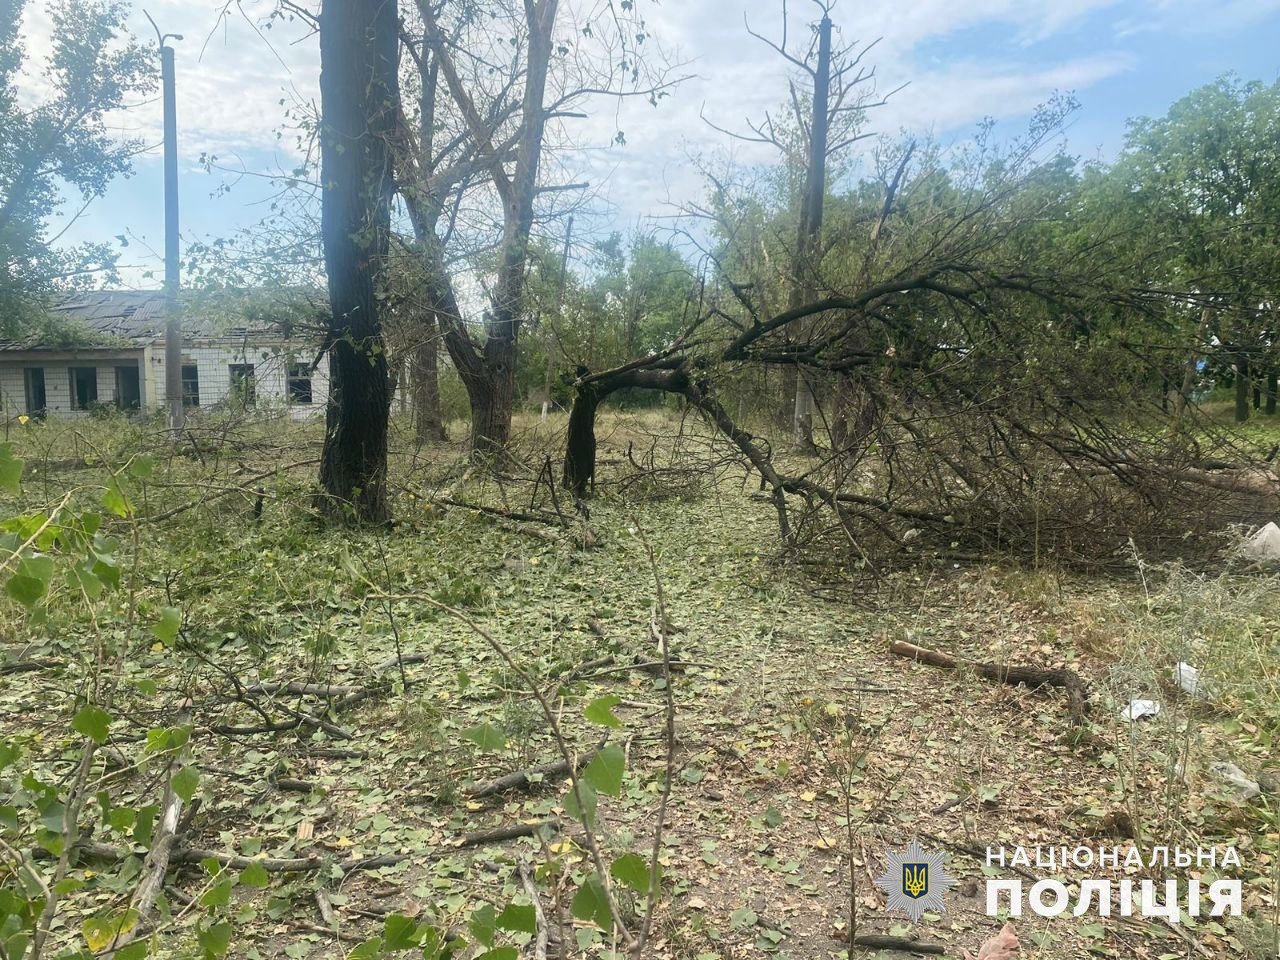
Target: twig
585,670
552,717
304,689
530,888
658,622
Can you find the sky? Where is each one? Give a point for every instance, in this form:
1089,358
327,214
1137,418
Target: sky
960,61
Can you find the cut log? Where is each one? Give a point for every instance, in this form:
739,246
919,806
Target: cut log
543,934
1033,677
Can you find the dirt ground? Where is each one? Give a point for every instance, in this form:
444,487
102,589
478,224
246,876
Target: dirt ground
799,737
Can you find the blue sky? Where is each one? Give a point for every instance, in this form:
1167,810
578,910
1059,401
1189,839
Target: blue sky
962,59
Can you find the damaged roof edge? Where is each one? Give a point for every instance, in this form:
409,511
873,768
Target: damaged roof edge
105,319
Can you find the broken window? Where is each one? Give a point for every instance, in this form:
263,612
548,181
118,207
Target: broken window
243,383
299,383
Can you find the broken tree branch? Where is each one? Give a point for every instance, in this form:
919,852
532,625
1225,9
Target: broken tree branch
522,779
1033,677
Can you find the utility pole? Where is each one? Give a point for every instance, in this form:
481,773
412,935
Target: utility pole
173,319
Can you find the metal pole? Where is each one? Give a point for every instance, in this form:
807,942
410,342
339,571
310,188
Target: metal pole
173,319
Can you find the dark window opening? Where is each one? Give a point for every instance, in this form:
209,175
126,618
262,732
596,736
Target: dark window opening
84,387
299,383
243,383
190,385
37,403
128,388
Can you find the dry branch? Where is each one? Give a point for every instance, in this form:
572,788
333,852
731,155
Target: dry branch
522,779
304,689
543,933
189,855
877,941
1033,677
28,666
510,832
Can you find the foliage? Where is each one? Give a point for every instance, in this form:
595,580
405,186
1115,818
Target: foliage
60,145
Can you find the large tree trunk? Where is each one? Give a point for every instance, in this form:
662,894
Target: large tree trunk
489,373
580,446
1271,390
359,45
665,374
806,406
1242,387
428,424
491,407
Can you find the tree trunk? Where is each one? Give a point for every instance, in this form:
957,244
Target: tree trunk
1242,388
580,447
590,391
359,46
1271,390
788,405
842,406
492,399
1189,369
428,424
489,373
805,408
809,233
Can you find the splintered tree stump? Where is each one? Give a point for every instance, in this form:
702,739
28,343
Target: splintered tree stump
1033,677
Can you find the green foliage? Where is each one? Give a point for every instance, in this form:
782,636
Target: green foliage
604,772
632,871
60,141
488,737
93,722
10,469
591,904
185,782
600,711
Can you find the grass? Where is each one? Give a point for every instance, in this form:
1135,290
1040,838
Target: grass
805,749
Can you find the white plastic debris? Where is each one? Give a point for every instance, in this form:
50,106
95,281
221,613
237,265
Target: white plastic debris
1188,678
1263,545
1229,773
1137,709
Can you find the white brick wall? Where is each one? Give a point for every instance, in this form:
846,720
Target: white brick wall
57,379
271,364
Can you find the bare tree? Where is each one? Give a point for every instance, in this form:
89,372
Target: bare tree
840,91
494,77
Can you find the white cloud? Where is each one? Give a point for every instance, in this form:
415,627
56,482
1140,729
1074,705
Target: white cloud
228,96
740,78
229,99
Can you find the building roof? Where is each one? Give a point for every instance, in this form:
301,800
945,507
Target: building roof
106,317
